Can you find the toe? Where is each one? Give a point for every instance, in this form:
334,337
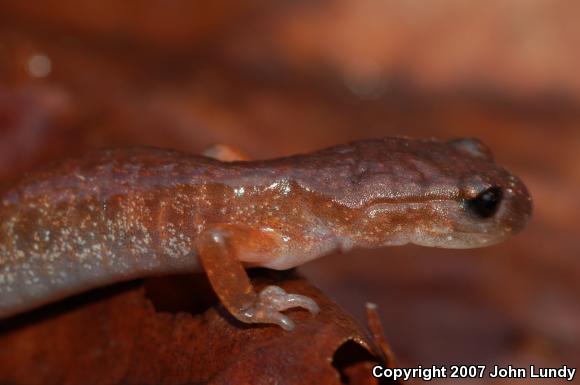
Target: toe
281,320
297,300
277,298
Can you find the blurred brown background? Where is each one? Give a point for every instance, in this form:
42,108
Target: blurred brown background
282,77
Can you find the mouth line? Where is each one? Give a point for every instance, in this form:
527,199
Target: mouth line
458,239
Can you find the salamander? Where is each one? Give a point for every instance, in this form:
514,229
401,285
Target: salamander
120,214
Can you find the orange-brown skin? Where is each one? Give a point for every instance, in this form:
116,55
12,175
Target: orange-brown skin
119,214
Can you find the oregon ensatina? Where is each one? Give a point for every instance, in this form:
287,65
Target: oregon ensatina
120,214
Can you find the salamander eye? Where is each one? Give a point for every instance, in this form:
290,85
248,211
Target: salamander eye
486,203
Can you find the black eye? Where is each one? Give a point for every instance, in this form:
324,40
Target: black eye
485,204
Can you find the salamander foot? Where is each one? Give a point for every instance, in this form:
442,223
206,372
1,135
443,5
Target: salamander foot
271,301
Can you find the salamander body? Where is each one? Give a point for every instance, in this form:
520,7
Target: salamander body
120,214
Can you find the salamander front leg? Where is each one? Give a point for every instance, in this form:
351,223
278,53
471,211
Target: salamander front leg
230,281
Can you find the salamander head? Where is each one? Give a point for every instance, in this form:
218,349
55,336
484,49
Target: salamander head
487,209
439,194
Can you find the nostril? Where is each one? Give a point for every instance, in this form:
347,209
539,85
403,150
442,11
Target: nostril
521,208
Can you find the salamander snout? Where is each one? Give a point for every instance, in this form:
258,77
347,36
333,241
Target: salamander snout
514,207
495,201
494,211
488,210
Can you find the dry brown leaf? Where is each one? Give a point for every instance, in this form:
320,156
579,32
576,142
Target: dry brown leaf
125,334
